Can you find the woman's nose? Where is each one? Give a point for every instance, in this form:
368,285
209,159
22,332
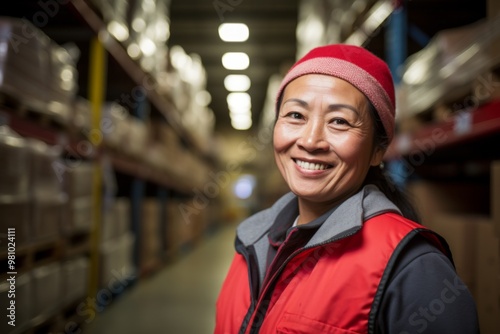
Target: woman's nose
313,137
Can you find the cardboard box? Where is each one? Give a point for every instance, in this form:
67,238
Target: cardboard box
74,274
46,221
179,225
432,198
116,219
476,252
488,277
47,289
116,258
460,233
78,178
122,214
150,243
16,214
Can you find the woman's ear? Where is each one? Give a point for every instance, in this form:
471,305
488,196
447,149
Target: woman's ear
377,156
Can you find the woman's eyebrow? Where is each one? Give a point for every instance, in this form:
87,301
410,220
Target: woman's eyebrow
296,100
337,106
331,107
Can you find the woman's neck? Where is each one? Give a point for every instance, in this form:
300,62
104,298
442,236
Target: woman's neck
309,211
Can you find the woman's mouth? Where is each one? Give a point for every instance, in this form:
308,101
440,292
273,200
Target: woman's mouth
311,165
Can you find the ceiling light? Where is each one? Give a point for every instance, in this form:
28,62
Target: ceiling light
239,101
233,32
241,122
235,60
233,112
237,83
244,186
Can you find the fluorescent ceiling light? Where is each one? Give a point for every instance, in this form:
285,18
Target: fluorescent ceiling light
237,101
239,112
233,32
235,61
241,122
237,83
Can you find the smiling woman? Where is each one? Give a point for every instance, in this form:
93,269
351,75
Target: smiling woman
323,142
343,251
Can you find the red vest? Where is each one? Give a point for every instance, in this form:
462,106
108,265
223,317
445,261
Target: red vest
327,289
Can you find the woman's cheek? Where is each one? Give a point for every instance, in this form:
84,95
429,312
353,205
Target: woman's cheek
282,137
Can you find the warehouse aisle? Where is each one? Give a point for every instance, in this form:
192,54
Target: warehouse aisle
179,299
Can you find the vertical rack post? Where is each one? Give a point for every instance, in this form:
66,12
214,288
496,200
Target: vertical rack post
141,111
97,79
396,50
396,39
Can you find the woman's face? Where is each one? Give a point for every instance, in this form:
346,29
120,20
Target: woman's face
323,139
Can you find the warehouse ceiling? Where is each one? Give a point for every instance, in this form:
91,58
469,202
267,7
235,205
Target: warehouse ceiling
271,45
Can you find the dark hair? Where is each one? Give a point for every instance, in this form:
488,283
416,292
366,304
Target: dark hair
379,177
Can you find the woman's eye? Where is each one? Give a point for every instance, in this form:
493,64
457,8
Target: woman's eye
340,121
294,115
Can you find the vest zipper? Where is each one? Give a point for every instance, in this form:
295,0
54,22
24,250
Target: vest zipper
276,274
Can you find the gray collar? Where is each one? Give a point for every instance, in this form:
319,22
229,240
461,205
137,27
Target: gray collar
347,218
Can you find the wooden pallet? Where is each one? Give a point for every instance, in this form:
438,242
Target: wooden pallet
34,111
76,244
31,255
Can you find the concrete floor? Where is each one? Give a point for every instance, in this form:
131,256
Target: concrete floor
178,299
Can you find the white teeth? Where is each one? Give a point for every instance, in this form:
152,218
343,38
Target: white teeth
311,166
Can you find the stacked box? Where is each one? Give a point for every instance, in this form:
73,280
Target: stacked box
116,259
460,231
47,297
444,71
122,214
75,274
476,253
117,241
49,198
113,125
78,180
432,198
126,246
107,225
150,244
182,217
135,137
36,70
116,219
14,181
